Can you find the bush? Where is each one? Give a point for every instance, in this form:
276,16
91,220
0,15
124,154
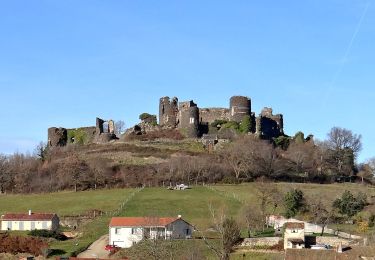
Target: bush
299,137
294,202
232,125
371,220
48,234
245,125
218,123
350,205
77,136
282,142
148,118
19,244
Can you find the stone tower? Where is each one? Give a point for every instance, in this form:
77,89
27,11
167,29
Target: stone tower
240,106
57,136
168,112
269,125
189,118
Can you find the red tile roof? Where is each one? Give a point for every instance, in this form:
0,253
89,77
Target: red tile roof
297,225
140,222
25,216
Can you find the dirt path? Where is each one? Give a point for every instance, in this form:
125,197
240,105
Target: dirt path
96,249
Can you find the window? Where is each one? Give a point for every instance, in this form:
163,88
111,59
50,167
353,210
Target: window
117,231
187,232
134,231
192,120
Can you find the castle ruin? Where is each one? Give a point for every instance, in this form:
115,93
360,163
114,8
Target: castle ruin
194,121
186,116
103,132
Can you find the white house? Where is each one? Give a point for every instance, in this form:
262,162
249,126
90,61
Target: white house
29,221
127,231
294,235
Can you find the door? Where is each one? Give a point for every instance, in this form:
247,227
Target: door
44,224
21,226
9,225
32,225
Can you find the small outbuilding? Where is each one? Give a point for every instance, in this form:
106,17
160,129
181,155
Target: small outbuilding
294,235
29,221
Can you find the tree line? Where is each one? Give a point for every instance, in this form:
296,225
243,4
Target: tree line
247,158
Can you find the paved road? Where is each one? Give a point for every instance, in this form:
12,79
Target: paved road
96,249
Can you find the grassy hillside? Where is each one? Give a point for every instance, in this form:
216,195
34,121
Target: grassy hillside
192,204
64,203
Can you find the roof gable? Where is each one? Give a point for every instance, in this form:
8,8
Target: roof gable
295,225
142,221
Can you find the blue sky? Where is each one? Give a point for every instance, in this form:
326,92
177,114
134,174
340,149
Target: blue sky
62,63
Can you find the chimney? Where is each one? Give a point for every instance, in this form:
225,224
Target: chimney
29,212
179,216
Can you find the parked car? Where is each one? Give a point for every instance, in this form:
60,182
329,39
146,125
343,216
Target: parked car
111,248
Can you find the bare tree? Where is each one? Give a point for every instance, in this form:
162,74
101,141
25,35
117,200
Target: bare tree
320,214
371,163
299,157
365,172
266,193
119,127
341,139
237,158
41,151
229,232
5,176
252,218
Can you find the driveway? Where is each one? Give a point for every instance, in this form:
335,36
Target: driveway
96,249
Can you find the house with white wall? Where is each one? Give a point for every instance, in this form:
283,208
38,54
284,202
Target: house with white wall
294,235
126,231
29,221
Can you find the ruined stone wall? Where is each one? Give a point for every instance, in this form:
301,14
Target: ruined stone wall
268,125
57,136
88,133
209,115
99,125
239,107
168,112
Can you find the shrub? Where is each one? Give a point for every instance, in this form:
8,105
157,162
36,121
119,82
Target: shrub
77,136
232,125
371,220
294,202
148,118
299,137
245,125
218,123
47,234
350,205
282,142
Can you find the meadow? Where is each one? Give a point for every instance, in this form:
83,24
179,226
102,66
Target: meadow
195,205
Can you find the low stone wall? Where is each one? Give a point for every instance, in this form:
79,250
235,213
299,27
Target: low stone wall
261,242
333,241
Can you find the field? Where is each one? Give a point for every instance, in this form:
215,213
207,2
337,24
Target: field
193,204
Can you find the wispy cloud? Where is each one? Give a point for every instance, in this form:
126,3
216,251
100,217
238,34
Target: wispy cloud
344,60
